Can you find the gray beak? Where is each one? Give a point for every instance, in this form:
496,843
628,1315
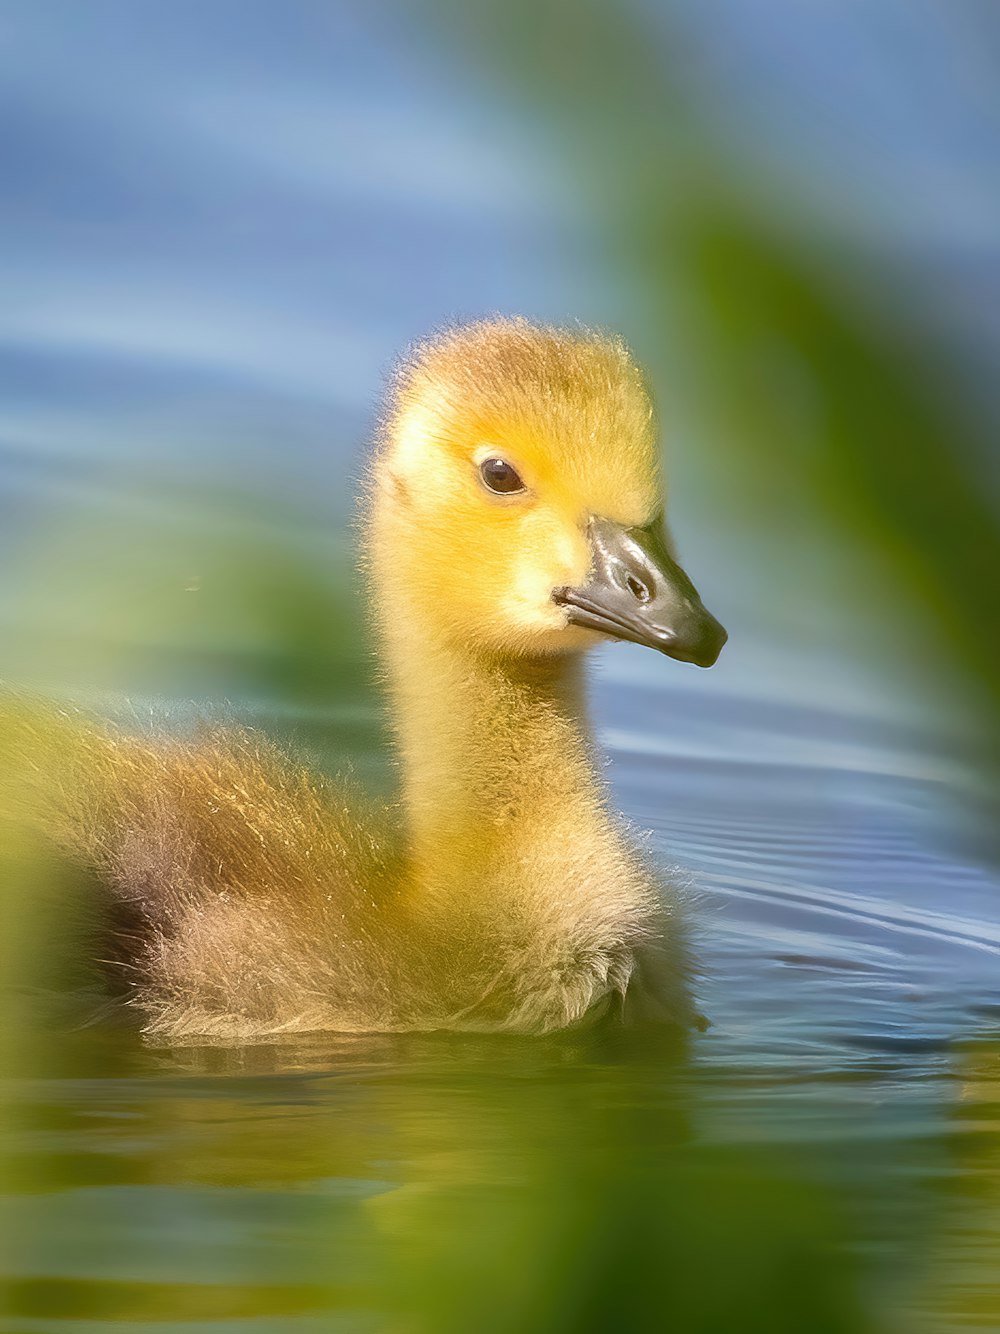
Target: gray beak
637,591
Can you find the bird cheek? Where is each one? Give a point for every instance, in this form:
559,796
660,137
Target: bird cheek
570,559
549,558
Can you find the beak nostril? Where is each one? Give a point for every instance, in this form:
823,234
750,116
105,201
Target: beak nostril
637,588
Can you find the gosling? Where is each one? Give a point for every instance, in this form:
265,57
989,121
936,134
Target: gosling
513,519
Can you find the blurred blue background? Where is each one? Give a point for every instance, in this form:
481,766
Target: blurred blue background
221,225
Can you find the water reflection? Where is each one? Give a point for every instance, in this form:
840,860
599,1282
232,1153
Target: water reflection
962,1288
446,1183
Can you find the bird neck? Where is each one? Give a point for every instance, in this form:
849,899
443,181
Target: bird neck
495,753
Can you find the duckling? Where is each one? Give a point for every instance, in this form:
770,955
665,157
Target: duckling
512,520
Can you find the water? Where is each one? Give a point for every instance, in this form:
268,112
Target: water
838,1118
220,226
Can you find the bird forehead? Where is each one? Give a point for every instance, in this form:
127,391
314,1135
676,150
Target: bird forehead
583,471
608,473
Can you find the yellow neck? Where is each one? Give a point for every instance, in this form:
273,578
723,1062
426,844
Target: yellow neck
522,898
495,753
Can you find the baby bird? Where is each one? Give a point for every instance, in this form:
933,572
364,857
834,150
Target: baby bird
513,519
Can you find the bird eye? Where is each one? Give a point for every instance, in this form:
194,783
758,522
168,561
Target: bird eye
500,476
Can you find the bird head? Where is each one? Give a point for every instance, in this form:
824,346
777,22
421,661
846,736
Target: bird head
518,498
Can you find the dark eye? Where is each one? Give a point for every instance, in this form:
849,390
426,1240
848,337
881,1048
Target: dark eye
500,477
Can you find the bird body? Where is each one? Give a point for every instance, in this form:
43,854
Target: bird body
512,519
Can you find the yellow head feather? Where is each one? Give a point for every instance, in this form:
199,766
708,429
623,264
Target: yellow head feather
570,412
